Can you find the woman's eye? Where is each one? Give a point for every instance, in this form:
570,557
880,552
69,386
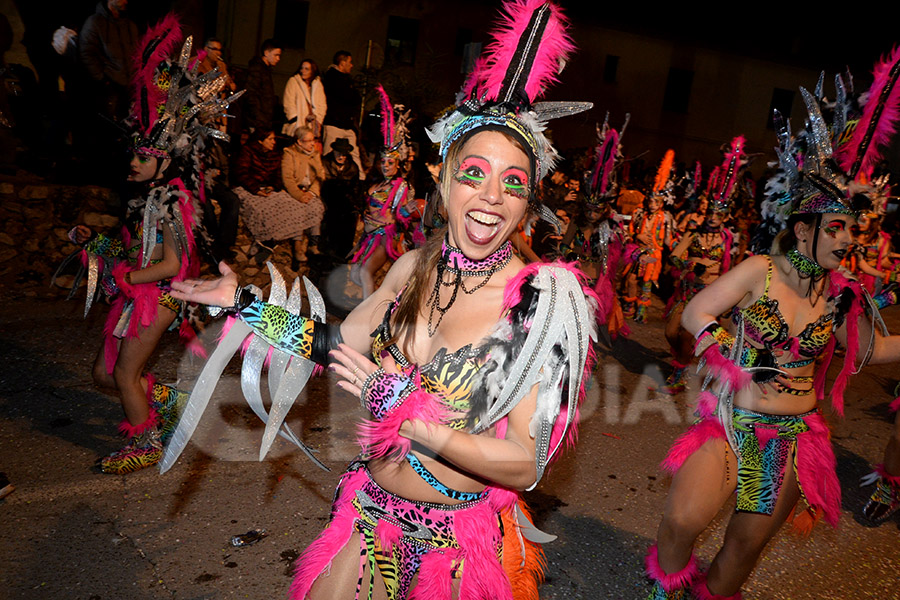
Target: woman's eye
474,173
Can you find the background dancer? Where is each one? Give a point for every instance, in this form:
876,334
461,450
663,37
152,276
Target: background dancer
390,203
761,434
159,239
701,256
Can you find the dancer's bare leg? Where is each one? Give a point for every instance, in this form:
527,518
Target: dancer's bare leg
129,369
699,489
370,268
339,580
747,536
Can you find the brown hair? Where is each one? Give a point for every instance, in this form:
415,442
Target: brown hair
413,299
786,238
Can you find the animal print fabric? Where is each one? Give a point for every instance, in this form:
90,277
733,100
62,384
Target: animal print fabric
286,331
395,534
767,444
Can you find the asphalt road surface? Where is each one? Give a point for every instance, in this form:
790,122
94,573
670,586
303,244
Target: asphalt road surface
69,531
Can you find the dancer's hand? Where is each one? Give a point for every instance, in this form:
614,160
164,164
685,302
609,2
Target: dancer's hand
213,292
80,234
354,368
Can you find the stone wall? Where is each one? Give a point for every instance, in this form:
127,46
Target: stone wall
36,218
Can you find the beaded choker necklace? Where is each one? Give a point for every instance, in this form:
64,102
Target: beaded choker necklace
806,266
458,266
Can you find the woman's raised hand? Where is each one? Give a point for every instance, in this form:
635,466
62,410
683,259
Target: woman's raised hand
214,292
354,368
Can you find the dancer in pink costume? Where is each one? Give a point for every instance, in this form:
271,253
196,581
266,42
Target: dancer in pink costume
469,363
760,434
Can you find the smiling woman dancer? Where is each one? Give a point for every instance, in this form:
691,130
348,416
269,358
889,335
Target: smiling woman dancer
762,435
475,367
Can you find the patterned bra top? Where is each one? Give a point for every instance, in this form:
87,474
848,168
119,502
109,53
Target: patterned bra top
764,324
449,375
716,253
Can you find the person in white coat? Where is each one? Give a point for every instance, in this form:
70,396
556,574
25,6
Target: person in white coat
304,100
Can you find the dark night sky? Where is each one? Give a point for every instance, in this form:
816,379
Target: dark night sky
818,40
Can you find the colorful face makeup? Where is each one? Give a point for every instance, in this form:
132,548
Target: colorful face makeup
488,193
472,171
515,181
142,167
833,227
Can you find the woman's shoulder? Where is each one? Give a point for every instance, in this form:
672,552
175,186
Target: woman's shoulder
557,279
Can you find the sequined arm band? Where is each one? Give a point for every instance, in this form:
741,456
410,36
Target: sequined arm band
103,245
292,333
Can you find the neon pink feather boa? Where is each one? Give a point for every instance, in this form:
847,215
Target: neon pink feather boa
670,582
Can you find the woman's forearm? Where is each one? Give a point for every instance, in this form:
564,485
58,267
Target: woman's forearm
504,462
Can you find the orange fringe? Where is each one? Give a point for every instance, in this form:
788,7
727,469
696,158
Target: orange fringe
665,167
524,578
802,522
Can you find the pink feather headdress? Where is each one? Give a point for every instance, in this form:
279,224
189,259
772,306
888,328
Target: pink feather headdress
723,182
394,129
172,101
878,122
529,48
602,181
825,166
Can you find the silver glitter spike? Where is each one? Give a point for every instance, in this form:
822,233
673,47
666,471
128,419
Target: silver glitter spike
546,111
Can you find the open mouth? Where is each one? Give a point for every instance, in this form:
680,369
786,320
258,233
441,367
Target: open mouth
482,227
840,253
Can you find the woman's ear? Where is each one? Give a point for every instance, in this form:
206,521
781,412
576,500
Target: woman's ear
163,165
801,231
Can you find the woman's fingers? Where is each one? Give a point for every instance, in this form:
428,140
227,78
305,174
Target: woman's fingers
351,366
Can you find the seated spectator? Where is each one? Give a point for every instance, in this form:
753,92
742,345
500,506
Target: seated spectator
304,100
302,173
340,193
270,213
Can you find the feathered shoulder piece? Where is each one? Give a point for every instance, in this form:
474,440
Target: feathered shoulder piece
172,101
546,340
529,49
601,181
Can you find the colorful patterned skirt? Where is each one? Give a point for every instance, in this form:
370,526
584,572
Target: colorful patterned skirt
768,445
406,541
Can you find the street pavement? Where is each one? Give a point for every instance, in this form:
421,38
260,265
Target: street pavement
69,531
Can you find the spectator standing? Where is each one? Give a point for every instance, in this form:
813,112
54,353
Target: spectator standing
106,47
260,100
213,60
340,193
304,100
224,232
343,105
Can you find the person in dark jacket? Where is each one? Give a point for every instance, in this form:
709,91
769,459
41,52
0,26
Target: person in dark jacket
340,193
260,101
106,47
343,106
